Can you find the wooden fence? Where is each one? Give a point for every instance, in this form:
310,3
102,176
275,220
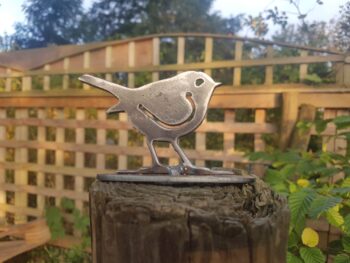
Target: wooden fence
55,136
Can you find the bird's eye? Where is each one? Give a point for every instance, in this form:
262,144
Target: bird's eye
199,82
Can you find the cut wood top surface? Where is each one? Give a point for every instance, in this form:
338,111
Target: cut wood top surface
234,201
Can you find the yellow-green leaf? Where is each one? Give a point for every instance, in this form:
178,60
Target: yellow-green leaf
334,217
303,182
292,188
310,237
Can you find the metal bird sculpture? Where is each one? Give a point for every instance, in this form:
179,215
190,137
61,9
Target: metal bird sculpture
164,111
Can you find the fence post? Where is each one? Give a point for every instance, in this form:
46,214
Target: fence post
346,70
146,223
237,71
303,67
2,159
269,68
289,117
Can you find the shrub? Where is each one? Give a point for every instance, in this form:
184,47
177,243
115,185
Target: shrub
317,185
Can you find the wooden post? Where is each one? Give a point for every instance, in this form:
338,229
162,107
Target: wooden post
47,78
59,155
269,68
180,51
300,139
147,223
8,80
101,140
41,158
79,157
21,157
303,67
155,57
229,138
346,71
289,117
131,64
65,84
86,65
259,143
238,70
2,159
201,136
108,61
26,83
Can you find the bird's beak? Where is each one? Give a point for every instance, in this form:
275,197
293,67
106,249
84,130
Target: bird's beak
217,84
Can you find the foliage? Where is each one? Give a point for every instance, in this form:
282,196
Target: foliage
317,185
115,19
81,223
6,43
343,28
259,24
49,22
316,34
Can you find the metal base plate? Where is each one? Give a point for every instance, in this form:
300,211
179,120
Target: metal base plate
177,180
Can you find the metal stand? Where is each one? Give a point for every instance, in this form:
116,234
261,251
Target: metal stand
180,175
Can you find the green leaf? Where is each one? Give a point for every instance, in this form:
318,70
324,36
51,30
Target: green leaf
342,122
327,171
347,224
55,222
288,157
293,239
346,182
341,258
276,181
346,243
255,156
321,125
335,247
322,204
287,171
341,190
303,126
311,78
291,258
304,167
299,203
67,204
312,255
347,169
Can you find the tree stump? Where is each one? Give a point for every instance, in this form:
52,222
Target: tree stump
145,223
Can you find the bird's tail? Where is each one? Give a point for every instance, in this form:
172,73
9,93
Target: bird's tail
108,86
115,89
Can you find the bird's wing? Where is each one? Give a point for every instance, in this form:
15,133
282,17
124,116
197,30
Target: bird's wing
169,105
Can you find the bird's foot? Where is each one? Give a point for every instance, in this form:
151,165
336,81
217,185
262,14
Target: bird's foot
194,170
156,169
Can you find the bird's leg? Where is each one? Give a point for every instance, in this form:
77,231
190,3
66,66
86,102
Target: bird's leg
181,153
157,167
155,160
187,167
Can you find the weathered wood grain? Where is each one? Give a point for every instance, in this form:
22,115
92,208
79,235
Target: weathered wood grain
152,223
300,139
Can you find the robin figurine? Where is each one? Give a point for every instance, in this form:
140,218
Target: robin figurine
164,111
